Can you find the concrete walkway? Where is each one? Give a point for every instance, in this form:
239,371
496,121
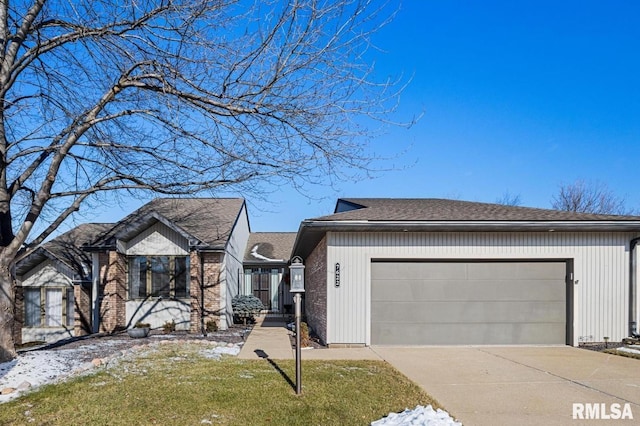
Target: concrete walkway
270,339
516,385
489,385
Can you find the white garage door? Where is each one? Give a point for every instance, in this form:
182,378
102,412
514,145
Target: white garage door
467,303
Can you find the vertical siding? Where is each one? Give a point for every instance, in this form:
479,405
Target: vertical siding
158,239
47,274
232,275
601,271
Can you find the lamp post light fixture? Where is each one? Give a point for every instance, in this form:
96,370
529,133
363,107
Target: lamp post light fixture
297,287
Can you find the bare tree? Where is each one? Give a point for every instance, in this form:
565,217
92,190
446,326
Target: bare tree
509,199
589,197
176,97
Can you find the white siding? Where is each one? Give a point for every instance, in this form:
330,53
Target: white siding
158,239
601,273
157,312
232,273
47,274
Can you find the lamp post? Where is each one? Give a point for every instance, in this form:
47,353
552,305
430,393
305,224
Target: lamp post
297,287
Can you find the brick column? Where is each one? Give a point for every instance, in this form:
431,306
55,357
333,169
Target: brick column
113,282
82,311
207,266
315,297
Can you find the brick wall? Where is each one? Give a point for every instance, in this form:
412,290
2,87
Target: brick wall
82,311
211,269
315,297
113,292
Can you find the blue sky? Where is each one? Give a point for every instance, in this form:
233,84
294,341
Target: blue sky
517,96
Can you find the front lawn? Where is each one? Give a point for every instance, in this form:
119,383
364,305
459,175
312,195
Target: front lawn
178,385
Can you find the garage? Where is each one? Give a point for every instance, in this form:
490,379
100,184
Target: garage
470,302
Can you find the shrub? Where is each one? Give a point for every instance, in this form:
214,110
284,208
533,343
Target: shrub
169,326
246,307
305,339
142,325
211,326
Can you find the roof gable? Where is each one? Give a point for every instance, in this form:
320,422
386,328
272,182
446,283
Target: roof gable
205,222
66,249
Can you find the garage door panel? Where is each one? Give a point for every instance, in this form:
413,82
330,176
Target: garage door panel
469,312
519,270
415,270
402,289
487,303
477,334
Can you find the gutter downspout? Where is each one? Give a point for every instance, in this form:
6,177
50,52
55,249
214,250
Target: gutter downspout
633,286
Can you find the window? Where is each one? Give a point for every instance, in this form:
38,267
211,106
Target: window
53,307
71,307
158,276
182,277
49,307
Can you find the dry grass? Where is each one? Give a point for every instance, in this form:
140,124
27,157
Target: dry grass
179,386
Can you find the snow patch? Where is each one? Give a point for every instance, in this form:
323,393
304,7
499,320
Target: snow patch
629,350
254,253
419,416
37,368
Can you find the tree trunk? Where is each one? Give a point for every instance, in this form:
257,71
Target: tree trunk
7,347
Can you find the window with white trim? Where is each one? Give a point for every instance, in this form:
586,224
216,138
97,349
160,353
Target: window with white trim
158,276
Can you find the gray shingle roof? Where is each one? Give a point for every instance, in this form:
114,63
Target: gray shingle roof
67,248
438,215
263,246
208,220
432,209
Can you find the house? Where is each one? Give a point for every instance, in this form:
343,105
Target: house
174,259
377,272
432,271
266,273
171,260
54,287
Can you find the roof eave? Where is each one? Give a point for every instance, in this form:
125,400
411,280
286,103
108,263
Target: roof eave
445,226
311,231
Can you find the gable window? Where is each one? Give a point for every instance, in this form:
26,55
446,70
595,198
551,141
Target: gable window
158,276
48,307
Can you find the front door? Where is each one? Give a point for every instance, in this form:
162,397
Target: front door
261,288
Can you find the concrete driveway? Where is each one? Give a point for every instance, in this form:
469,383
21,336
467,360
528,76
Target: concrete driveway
509,385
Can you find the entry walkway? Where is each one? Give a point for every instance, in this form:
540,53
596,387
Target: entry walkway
270,339
490,385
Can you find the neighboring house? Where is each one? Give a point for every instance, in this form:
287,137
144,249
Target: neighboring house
53,290
429,271
174,259
266,272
